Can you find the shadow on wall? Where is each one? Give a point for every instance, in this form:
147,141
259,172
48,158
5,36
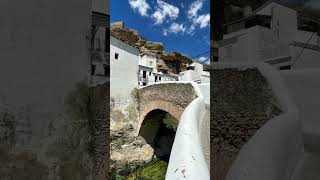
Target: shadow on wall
159,129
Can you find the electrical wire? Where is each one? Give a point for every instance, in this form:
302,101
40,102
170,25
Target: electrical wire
200,54
298,57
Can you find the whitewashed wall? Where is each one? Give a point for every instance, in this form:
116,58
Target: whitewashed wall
237,51
189,75
123,71
304,87
190,154
44,53
148,61
309,58
258,43
284,20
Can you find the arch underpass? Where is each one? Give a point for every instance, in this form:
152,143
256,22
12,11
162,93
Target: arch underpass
158,129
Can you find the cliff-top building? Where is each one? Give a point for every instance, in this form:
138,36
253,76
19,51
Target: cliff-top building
271,34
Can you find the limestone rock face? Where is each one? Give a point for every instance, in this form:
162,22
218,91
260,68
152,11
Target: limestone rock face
128,150
154,46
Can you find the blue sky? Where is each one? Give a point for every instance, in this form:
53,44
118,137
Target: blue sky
181,25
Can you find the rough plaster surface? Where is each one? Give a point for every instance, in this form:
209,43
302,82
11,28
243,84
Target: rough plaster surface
99,117
242,103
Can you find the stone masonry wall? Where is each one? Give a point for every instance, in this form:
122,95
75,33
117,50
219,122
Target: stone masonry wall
171,97
242,102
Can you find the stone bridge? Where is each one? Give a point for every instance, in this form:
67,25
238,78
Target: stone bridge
169,97
160,108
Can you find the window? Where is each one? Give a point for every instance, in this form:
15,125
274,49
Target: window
285,67
93,69
149,73
97,44
144,84
116,56
106,70
144,74
155,78
159,78
107,41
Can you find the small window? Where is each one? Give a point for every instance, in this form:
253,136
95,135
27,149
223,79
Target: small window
144,84
285,67
155,78
93,69
106,70
116,56
144,74
107,41
159,78
149,73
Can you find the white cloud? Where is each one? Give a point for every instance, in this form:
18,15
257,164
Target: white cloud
175,28
190,30
141,5
195,18
163,11
194,8
203,59
203,20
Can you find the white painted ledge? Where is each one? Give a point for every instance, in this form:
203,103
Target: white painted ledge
187,159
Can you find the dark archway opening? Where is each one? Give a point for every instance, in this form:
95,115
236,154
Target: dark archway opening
159,129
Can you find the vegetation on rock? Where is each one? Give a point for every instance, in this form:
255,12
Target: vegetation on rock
154,170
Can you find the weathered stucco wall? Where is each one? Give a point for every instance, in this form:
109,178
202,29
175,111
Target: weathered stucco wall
99,124
242,103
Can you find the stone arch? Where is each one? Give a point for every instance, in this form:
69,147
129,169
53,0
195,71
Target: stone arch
172,109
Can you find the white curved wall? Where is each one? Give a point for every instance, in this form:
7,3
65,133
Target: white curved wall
304,87
187,159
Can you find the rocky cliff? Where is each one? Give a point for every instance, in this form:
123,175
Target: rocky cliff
174,62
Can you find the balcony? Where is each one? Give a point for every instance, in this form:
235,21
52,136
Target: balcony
143,79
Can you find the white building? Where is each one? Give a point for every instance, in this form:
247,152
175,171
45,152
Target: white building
195,72
148,60
149,73
124,67
270,34
100,66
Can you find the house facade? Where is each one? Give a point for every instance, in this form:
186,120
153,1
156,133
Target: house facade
270,34
149,72
196,73
124,69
